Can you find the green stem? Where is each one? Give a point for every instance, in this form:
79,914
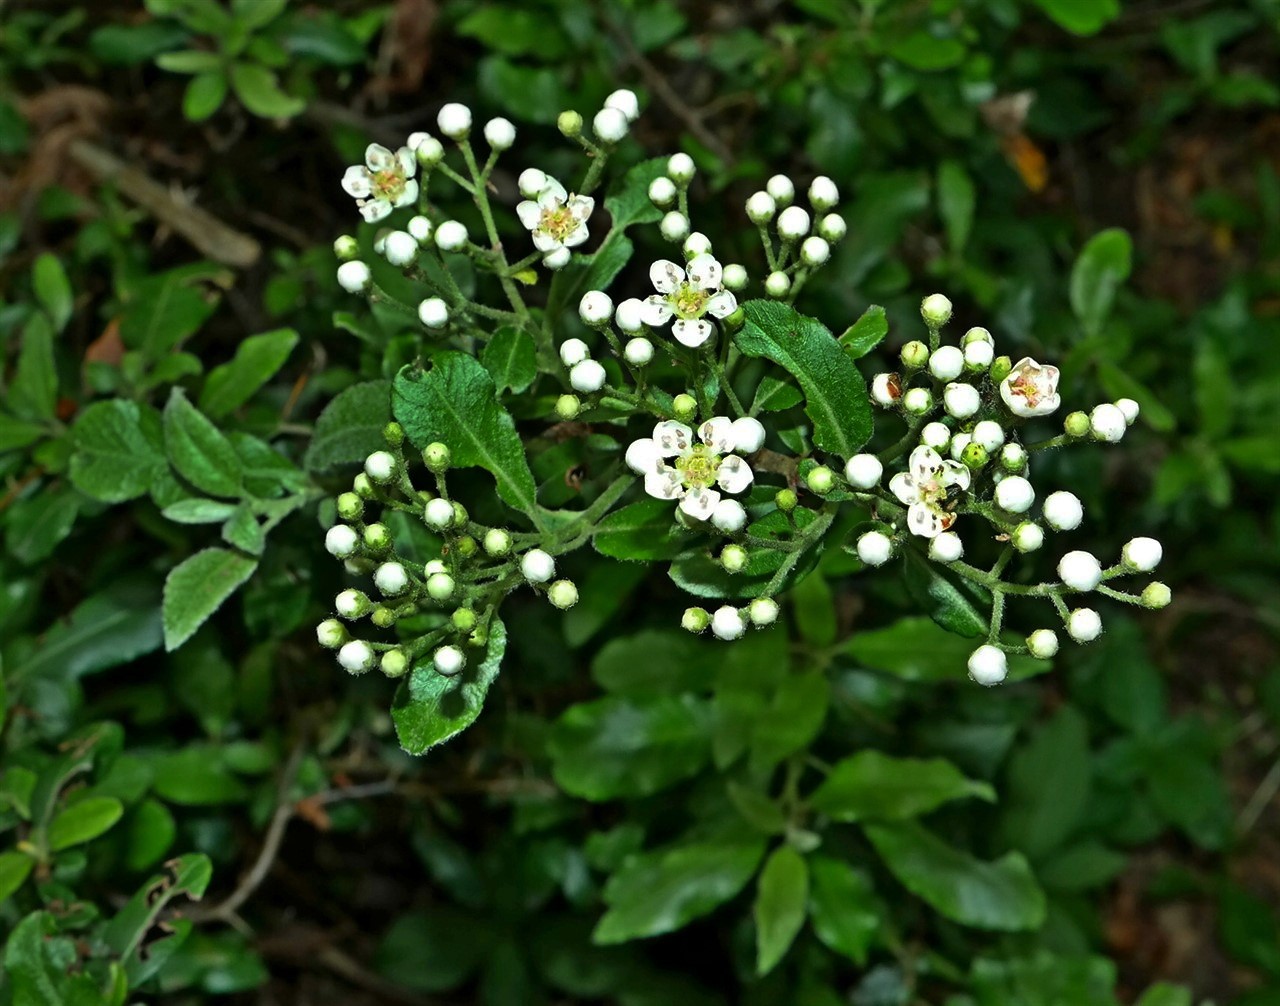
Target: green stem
495,243
814,531
909,439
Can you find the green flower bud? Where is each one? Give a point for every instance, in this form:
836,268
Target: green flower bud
1076,424
393,434
383,617
786,500
763,611
821,480
1013,458
695,620
466,546
377,538
350,506
460,515
394,663
346,248
915,354
568,407
497,542
685,407
1000,368
437,457
569,123
936,310
363,487
1156,595
463,619
440,586
917,401
479,637
735,320
331,633
975,456
733,558
563,594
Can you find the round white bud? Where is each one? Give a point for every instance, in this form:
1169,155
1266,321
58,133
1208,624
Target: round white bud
428,150
1084,625
988,665
875,548
573,351
626,102
354,277
1128,408
629,315
1142,554
587,376
823,193
961,400
1013,457
563,594
1027,537
1107,423
763,611
595,308
946,363
638,352
391,578
356,657
761,208
1043,643
400,248
451,235
499,133
532,182
978,355
433,567
793,223
380,466
557,258
917,401
331,634
959,442
735,276
989,434
340,541
863,471
433,312
936,310
936,435
747,434
350,604
681,168
1015,494
454,120
662,192
777,284
421,228
729,516
537,566
449,660
727,623
1063,511
781,188
946,547
1080,570
832,227
815,251
885,390
438,513
610,125
440,586
696,244
674,226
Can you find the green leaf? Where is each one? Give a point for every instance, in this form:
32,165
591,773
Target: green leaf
14,435
430,707
33,392
510,30
164,311
793,717
189,61
1104,264
39,523
134,44
119,450
774,395
253,14
655,662
15,867
782,894
197,776
149,834
646,529
835,393
956,201
321,35
456,403
130,932
257,360
621,746
1119,384
879,786
199,451
53,290
511,359
1049,784
1164,994
843,908
924,51
84,821
917,649
814,610
243,531
258,88
204,95
946,597
1001,895
350,428
664,890
866,333
199,511
197,587
1081,17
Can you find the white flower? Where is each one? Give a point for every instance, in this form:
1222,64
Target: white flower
433,312
400,248
988,665
727,623
1080,570
587,377
863,471
946,363
917,401
875,548
729,516
1015,494
499,133
1063,511
451,235
449,660
610,125
961,400
958,443
555,219
823,193
698,466
1140,554
441,586
637,352
426,148
681,167
354,277
351,604
674,226
595,308
1013,457
946,547
391,578
340,541
989,434
1107,423
662,192
383,183
781,188
557,259
979,355
331,634
356,656
925,486
532,181
380,466
748,435
454,120
1043,643
438,513
688,297
1084,625
761,208
626,102
537,566
793,223
573,351
1030,389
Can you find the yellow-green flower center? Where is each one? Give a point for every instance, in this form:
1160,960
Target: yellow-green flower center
698,468
558,222
388,184
689,302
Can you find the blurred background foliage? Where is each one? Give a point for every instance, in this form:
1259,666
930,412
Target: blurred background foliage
1094,180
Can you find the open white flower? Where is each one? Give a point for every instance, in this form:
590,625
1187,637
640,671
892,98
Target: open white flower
698,465
556,219
925,487
384,182
1030,389
688,297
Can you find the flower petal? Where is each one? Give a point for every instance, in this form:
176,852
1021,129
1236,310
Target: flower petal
903,486
410,193
576,236
672,438
717,433
544,242
408,163
705,272
378,157
664,484
734,474
722,304
356,181
555,192
643,457
582,207
700,503
955,474
665,276
530,213
655,310
924,520
375,210
692,332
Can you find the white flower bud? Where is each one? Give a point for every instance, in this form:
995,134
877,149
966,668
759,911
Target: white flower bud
727,623
440,586
391,578
433,567
735,276
380,466
875,548
946,363
1084,625
427,149
823,193
587,377
1107,423
988,665
340,541
454,120
863,471
777,284
696,244
629,315
681,168
563,594
331,633
815,251
433,312
1013,457
763,611
421,229
537,566
674,226
1015,494
1063,511
449,660
781,188
978,355
610,125
936,310
400,248
748,435
885,390
351,604
500,134
356,657
451,235
959,442
638,352
1141,554
595,308
557,258
662,192
497,542
626,102
936,435
573,351
1129,408
532,182
761,208
989,434
946,547
832,227
354,277
729,516
1043,643
1027,537
961,400
793,223
917,401
1080,570
438,513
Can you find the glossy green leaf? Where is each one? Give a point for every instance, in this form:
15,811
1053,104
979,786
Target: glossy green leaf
196,776
843,908
53,290
957,199
204,95
1049,784
782,896
119,450
646,529
949,600
83,821
350,427
258,358
655,662
33,392
199,451
1103,265
197,587
258,89
872,785
1081,17
511,359
866,333
15,867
